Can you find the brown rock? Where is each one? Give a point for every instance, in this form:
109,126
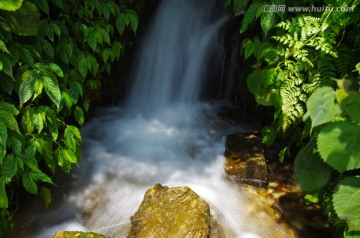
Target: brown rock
171,212
245,159
77,234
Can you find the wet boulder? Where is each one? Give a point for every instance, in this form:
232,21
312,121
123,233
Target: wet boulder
77,234
245,159
171,212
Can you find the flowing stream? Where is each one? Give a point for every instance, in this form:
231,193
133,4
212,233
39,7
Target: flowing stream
164,134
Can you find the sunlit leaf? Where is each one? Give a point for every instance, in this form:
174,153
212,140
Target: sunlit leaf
346,201
338,144
29,183
52,90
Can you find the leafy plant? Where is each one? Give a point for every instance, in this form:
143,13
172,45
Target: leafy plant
295,59
52,53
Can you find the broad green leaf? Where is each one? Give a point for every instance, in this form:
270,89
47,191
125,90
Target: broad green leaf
45,193
120,23
267,21
30,161
82,66
338,144
39,119
38,87
56,29
7,64
9,167
3,196
321,106
253,82
92,40
56,69
7,84
311,173
249,48
3,48
105,55
72,137
10,5
86,105
43,6
38,175
70,156
52,90
9,108
27,120
29,183
351,234
117,49
48,154
346,199
250,15
79,115
351,105
66,98
104,34
9,120
133,19
24,21
63,160
26,89
48,48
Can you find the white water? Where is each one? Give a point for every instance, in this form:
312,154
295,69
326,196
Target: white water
165,135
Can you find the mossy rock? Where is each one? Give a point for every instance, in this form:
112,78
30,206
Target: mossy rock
77,234
171,212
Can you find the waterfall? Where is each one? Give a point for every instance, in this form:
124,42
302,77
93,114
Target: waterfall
165,134
174,56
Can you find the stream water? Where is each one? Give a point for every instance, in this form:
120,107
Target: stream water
164,134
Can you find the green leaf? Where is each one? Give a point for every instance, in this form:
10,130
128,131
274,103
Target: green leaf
249,48
27,120
311,173
9,167
9,108
351,234
38,87
45,193
7,64
350,104
7,84
56,69
67,99
29,183
267,21
3,196
26,89
321,106
82,66
24,21
133,19
120,23
346,199
29,160
10,5
253,82
38,175
43,6
72,137
250,16
338,144
48,48
39,119
79,116
56,29
52,90
9,120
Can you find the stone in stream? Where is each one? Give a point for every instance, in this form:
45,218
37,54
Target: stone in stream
171,212
77,234
245,159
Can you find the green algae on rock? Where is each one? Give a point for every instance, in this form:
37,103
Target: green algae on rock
171,212
77,234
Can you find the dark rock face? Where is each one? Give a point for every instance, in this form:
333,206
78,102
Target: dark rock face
77,234
171,212
245,159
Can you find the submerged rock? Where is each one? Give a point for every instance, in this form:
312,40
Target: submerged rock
245,159
78,234
171,212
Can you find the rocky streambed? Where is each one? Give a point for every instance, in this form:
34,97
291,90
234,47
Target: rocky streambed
267,185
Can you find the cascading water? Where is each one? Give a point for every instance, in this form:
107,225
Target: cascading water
164,135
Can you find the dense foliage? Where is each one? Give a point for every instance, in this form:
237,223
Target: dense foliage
52,53
305,66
